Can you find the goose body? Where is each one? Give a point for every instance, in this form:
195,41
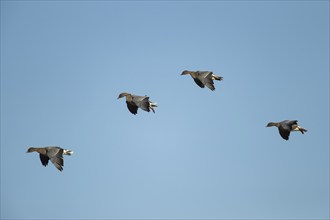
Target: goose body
285,127
203,78
134,102
52,153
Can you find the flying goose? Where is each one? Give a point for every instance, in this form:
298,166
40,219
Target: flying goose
203,78
134,102
286,126
52,153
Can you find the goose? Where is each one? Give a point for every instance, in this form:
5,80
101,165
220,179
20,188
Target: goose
286,126
203,78
52,153
134,102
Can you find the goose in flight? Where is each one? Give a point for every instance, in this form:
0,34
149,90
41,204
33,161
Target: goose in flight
52,153
286,126
203,78
134,102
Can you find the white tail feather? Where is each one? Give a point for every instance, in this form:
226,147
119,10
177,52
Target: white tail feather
67,152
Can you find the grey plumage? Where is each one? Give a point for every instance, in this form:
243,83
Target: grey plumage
203,78
134,102
285,127
52,153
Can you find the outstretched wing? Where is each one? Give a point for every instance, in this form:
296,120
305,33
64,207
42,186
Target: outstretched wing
44,159
58,162
206,78
55,155
132,107
142,102
209,83
284,133
199,83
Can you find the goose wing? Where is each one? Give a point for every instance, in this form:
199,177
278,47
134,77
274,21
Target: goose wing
132,107
44,159
142,102
58,162
284,133
199,82
55,155
210,84
206,78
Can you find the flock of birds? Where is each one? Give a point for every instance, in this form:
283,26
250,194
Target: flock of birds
134,102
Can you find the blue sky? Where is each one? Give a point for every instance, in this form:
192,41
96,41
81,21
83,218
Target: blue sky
203,154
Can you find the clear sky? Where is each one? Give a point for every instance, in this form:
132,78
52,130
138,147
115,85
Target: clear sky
203,154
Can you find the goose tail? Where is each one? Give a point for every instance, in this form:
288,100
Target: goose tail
67,152
152,105
215,77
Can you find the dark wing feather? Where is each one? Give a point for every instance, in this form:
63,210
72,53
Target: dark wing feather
58,162
44,159
284,133
199,83
132,107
